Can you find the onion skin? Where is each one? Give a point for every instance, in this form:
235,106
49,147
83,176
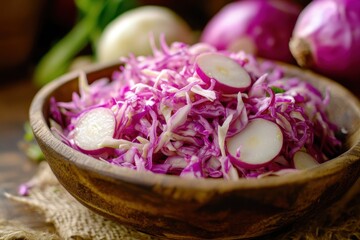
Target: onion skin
326,38
258,27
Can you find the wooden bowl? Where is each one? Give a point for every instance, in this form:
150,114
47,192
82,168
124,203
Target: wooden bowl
174,207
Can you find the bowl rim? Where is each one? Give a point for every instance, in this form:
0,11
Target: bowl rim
42,131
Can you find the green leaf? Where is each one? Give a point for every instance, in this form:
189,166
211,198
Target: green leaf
57,61
30,146
278,90
94,15
111,10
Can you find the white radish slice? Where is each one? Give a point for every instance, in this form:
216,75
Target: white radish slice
93,127
229,76
303,160
258,143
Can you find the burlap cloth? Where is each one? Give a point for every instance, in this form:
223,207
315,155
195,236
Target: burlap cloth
73,221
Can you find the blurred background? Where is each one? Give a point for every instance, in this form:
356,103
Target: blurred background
30,28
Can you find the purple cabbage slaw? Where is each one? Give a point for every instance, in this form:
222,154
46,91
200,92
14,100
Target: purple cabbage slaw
169,121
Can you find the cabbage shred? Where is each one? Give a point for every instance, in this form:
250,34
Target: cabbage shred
169,121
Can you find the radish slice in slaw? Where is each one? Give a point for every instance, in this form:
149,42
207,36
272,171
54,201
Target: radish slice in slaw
257,144
93,127
229,76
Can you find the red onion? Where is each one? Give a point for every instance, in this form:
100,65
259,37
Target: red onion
259,27
326,38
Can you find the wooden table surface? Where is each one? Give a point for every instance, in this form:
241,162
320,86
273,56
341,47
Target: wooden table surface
15,167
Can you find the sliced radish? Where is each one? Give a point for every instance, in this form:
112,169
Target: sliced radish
93,127
257,144
229,76
303,160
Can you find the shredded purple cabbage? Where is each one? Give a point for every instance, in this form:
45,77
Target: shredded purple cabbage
169,121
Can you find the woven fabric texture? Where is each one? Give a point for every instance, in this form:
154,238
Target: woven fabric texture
73,221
